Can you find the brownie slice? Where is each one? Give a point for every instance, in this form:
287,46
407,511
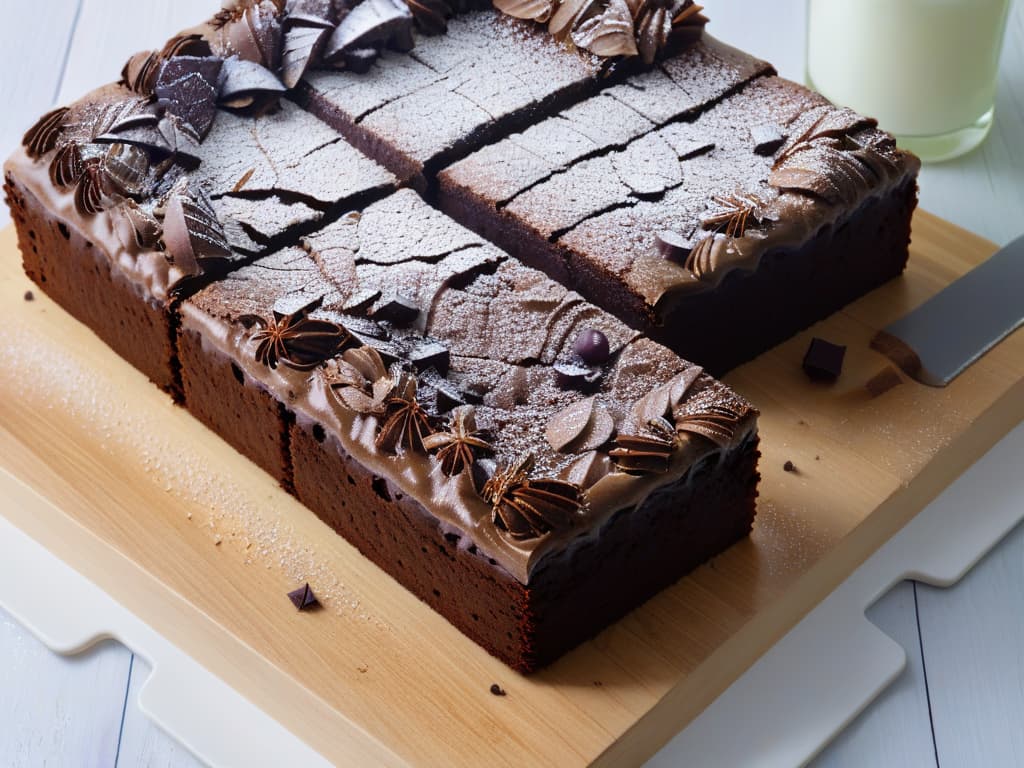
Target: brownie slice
747,218
121,208
504,449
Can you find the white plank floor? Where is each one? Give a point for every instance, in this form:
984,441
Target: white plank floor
960,702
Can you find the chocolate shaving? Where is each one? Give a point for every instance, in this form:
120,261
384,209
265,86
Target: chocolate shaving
299,342
302,46
406,423
718,423
127,169
140,72
42,137
254,33
249,87
90,190
145,228
192,233
458,447
533,10
66,166
370,23
527,508
608,34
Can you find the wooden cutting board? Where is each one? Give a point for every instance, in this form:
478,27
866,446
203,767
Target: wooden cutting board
202,546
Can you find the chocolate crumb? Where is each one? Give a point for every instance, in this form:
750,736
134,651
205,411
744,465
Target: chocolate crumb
598,683
497,690
361,669
883,381
29,296
303,598
789,466
824,360
817,458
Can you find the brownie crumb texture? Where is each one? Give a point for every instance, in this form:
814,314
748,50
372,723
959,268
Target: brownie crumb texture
789,466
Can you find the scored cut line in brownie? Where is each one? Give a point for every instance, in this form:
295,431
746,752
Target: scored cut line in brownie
488,75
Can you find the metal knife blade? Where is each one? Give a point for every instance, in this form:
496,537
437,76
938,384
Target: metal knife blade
936,342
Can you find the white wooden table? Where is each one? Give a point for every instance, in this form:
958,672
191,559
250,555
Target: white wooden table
960,701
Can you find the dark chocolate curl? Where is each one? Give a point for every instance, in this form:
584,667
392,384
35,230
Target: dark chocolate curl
372,22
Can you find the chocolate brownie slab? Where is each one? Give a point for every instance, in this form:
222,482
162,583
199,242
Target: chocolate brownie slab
122,204
747,219
522,461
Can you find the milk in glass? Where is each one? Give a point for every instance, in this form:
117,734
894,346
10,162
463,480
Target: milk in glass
924,68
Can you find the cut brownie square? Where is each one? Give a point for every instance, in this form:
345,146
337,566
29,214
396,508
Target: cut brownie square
718,227
115,198
522,461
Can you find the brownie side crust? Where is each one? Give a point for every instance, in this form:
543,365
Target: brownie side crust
74,272
572,597
795,287
235,406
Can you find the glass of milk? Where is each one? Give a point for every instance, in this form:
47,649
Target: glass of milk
925,68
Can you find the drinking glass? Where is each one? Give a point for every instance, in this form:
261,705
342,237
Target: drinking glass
926,69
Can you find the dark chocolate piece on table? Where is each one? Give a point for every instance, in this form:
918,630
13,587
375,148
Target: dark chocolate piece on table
29,296
789,466
303,598
824,360
497,690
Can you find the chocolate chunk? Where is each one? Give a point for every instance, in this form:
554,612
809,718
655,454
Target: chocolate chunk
673,246
592,346
29,296
574,376
431,354
397,309
824,360
883,381
370,23
497,690
303,598
789,466
187,87
767,138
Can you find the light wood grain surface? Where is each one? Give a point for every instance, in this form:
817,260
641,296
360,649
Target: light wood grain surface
968,638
